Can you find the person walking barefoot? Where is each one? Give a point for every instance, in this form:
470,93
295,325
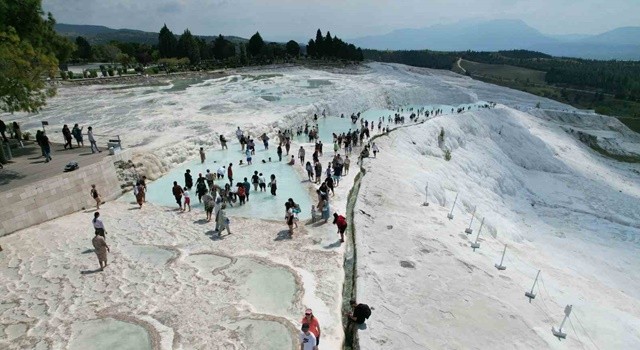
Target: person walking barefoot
101,249
341,222
96,196
177,193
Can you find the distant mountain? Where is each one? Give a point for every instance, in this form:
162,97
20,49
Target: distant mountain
621,43
103,35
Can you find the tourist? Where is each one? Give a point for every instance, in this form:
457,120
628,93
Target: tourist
77,134
292,161
95,196
248,153
347,162
247,188
92,140
279,152
273,185
223,142
307,339
241,193
239,133
143,184
255,180
360,313
187,198
202,155
188,179
314,325
265,140
295,210
46,147
287,145
3,129
341,222
301,155
39,135
309,169
18,134
230,173
318,169
177,193
329,182
98,226
325,209
375,150
208,200
220,172
138,192
288,217
262,183
101,249
209,177
201,188
337,174
222,221
67,137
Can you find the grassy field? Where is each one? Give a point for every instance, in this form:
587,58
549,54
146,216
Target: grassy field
504,72
532,81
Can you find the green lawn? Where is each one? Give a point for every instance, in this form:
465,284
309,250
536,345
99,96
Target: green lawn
503,72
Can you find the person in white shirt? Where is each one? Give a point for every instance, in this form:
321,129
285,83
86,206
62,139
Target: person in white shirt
92,140
98,225
239,133
307,339
221,171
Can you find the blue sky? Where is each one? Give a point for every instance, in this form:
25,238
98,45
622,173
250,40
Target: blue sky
346,18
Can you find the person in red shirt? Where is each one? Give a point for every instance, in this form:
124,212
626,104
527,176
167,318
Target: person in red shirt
230,174
341,222
314,325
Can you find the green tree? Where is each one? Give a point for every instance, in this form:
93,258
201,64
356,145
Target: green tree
167,43
110,53
83,50
188,47
243,54
30,50
319,44
328,46
256,45
311,48
293,48
223,48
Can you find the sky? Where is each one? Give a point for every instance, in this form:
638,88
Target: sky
299,19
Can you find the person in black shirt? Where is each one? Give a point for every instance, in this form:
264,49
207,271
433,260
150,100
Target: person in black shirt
360,314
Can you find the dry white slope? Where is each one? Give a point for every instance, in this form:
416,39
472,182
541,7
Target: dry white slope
560,207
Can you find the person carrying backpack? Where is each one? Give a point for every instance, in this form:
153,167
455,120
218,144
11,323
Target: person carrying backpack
360,313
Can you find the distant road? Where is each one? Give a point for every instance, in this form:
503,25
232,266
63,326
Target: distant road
464,71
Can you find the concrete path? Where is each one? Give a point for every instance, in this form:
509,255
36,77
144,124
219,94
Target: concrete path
28,165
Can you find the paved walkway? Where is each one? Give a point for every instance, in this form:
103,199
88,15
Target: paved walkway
28,166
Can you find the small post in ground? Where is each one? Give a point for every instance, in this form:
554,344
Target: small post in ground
469,230
558,333
500,266
530,294
450,215
426,195
475,245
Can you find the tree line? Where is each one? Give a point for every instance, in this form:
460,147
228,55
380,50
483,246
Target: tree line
619,78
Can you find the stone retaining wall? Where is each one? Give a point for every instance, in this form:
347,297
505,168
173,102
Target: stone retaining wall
58,196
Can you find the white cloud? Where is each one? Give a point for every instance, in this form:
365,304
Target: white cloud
300,18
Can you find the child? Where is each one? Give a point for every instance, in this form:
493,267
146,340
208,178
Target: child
187,199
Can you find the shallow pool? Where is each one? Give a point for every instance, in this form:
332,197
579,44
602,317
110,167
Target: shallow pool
109,334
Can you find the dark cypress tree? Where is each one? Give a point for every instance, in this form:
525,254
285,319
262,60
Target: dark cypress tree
188,47
255,47
243,54
328,46
167,43
223,48
311,48
319,44
84,48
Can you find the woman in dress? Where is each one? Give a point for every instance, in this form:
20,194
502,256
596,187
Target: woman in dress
101,249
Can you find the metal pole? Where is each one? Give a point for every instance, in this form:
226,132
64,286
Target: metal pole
475,244
469,230
500,266
426,195
530,294
450,216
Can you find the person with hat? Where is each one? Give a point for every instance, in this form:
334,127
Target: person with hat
314,325
307,339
